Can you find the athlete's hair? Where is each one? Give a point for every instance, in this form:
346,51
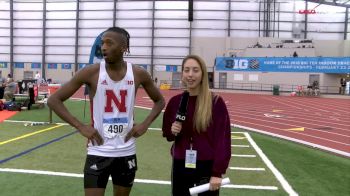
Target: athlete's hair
203,111
122,32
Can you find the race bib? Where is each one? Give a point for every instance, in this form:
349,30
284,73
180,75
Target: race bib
115,127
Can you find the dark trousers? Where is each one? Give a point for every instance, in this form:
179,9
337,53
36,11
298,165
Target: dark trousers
2,90
185,178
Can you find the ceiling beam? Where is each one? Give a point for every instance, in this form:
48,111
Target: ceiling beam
334,3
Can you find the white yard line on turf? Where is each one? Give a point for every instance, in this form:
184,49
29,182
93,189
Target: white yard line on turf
274,188
247,169
286,186
24,121
243,155
240,146
39,172
294,140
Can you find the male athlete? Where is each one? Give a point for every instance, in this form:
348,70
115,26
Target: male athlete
113,84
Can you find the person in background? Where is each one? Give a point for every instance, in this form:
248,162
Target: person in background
37,77
295,54
342,86
113,84
315,88
205,135
10,89
156,82
2,86
300,90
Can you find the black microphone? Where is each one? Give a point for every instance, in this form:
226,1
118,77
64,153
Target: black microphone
182,111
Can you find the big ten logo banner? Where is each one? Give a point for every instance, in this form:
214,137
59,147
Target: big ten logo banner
284,64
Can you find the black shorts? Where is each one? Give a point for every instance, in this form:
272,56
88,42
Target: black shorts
98,169
185,178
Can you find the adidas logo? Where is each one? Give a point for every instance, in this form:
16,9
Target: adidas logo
104,82
94,167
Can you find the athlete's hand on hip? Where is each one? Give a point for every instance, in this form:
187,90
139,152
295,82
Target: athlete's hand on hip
215,183
136,131
92,134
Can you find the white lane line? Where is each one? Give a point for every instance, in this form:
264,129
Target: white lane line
146,108
247,169
243,155
44,123
274,188
295,140
236,131
35,122
286,186
64,174
240,146
294,132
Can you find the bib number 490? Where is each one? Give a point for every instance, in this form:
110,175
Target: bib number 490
115,128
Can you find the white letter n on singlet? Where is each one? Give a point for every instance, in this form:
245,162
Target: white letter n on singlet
131,164
110,96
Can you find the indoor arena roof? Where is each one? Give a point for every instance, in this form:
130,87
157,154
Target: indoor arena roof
341,3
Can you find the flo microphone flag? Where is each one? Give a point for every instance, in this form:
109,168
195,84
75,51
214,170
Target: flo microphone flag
182,111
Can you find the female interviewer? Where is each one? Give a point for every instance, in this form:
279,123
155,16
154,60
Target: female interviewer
204,137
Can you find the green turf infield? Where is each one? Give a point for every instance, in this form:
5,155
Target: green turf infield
308,171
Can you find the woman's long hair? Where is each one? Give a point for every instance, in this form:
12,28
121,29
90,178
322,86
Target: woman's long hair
203,112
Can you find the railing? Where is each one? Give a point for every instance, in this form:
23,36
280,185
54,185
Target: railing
282,87
258,87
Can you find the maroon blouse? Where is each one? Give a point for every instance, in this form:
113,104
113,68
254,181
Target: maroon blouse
213,144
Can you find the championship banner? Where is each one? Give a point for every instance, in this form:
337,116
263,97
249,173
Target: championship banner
36,65
96,52
19,65
95,55
144,66
3,64
81,65
171,68
284,64
66,66
52,66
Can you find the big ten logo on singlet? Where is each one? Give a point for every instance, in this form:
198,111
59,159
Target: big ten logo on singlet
116,126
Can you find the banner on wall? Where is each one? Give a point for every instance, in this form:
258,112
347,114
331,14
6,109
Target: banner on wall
160,68
284,64
81,65
19,65
144,66
3,64
171,68
66,66
52,66
36,65
96,52
95,55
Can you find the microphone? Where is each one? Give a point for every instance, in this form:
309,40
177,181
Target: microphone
182,111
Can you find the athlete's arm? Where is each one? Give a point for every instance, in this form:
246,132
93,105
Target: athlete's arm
143,78
55,102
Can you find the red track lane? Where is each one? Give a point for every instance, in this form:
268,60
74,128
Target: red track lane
284,127
325,120
342,126
325,131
